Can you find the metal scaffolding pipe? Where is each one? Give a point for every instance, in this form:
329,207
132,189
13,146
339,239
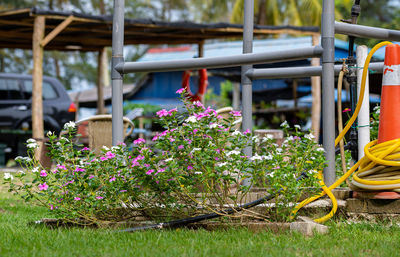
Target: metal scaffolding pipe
300,72
328,93
366,31
220,62
116,77
246,83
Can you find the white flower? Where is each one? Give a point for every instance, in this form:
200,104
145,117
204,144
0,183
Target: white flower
271,174
279,150
232,152
256,139
267,157
32,145
297,126
284,124
309,136
31,140
191,119
320,149
168,160
36,169
267,137
256,157
313,171
114,148
50,133
64,139
8,176
21,171
198,172
195,149
19,158
236,133
27,159
106,148
69,125
222,164
213,125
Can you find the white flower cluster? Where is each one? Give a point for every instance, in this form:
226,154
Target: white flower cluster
31,143
236,133
191,119
234,152
309,136
23,159
284,124
267,137
69,125
213,125
256,157
8,176
222,164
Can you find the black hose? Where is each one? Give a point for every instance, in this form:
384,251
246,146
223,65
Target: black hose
183,222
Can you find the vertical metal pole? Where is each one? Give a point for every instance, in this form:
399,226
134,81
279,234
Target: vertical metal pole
116,77
328,79
363,116
248,25
247,91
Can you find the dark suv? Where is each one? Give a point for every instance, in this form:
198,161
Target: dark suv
16,113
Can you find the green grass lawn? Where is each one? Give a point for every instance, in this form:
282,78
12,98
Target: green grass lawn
18,237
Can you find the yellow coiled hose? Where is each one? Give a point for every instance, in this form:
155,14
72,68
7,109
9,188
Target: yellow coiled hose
376,158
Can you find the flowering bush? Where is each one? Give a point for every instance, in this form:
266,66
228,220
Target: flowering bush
375,122
194,166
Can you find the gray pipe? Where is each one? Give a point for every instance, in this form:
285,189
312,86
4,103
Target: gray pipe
247,98
328,79
366,31
220,62
117,57
300,72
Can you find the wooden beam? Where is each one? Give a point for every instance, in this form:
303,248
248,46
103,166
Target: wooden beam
101,63
57,30
37,79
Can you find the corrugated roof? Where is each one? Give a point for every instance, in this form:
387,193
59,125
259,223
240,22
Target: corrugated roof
216,49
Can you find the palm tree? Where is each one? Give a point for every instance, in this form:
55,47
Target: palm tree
281,12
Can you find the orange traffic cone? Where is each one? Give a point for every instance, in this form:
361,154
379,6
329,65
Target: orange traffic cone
389,118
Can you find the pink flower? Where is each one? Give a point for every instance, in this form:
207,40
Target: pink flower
90,177
99,197
171,139
149,172
139,157
296,138
103,158
172,111
135,163
195,131
160,170
122,191
79,170
61,167
180,91
43,173
180,147
43,186
246,132
110,155
121,143
347,110
190,167
162,113
139,141
155,138
86,149
112,179
146,165
77,198
199,104
236,113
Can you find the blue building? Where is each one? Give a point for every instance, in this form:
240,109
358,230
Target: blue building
160,87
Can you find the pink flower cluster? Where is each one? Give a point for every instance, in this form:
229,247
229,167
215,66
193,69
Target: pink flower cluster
163,112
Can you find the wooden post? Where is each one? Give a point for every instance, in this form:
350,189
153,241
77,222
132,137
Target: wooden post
101,81
316,94
37,79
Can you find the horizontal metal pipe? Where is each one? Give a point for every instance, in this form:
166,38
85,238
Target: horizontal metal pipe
300,72
366,31
221,62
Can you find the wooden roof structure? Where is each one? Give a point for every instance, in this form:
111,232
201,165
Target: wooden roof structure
76,31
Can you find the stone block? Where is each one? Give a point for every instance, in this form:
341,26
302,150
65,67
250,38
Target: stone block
308,228
373,206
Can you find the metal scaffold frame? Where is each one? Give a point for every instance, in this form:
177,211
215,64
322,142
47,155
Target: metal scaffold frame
327,70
